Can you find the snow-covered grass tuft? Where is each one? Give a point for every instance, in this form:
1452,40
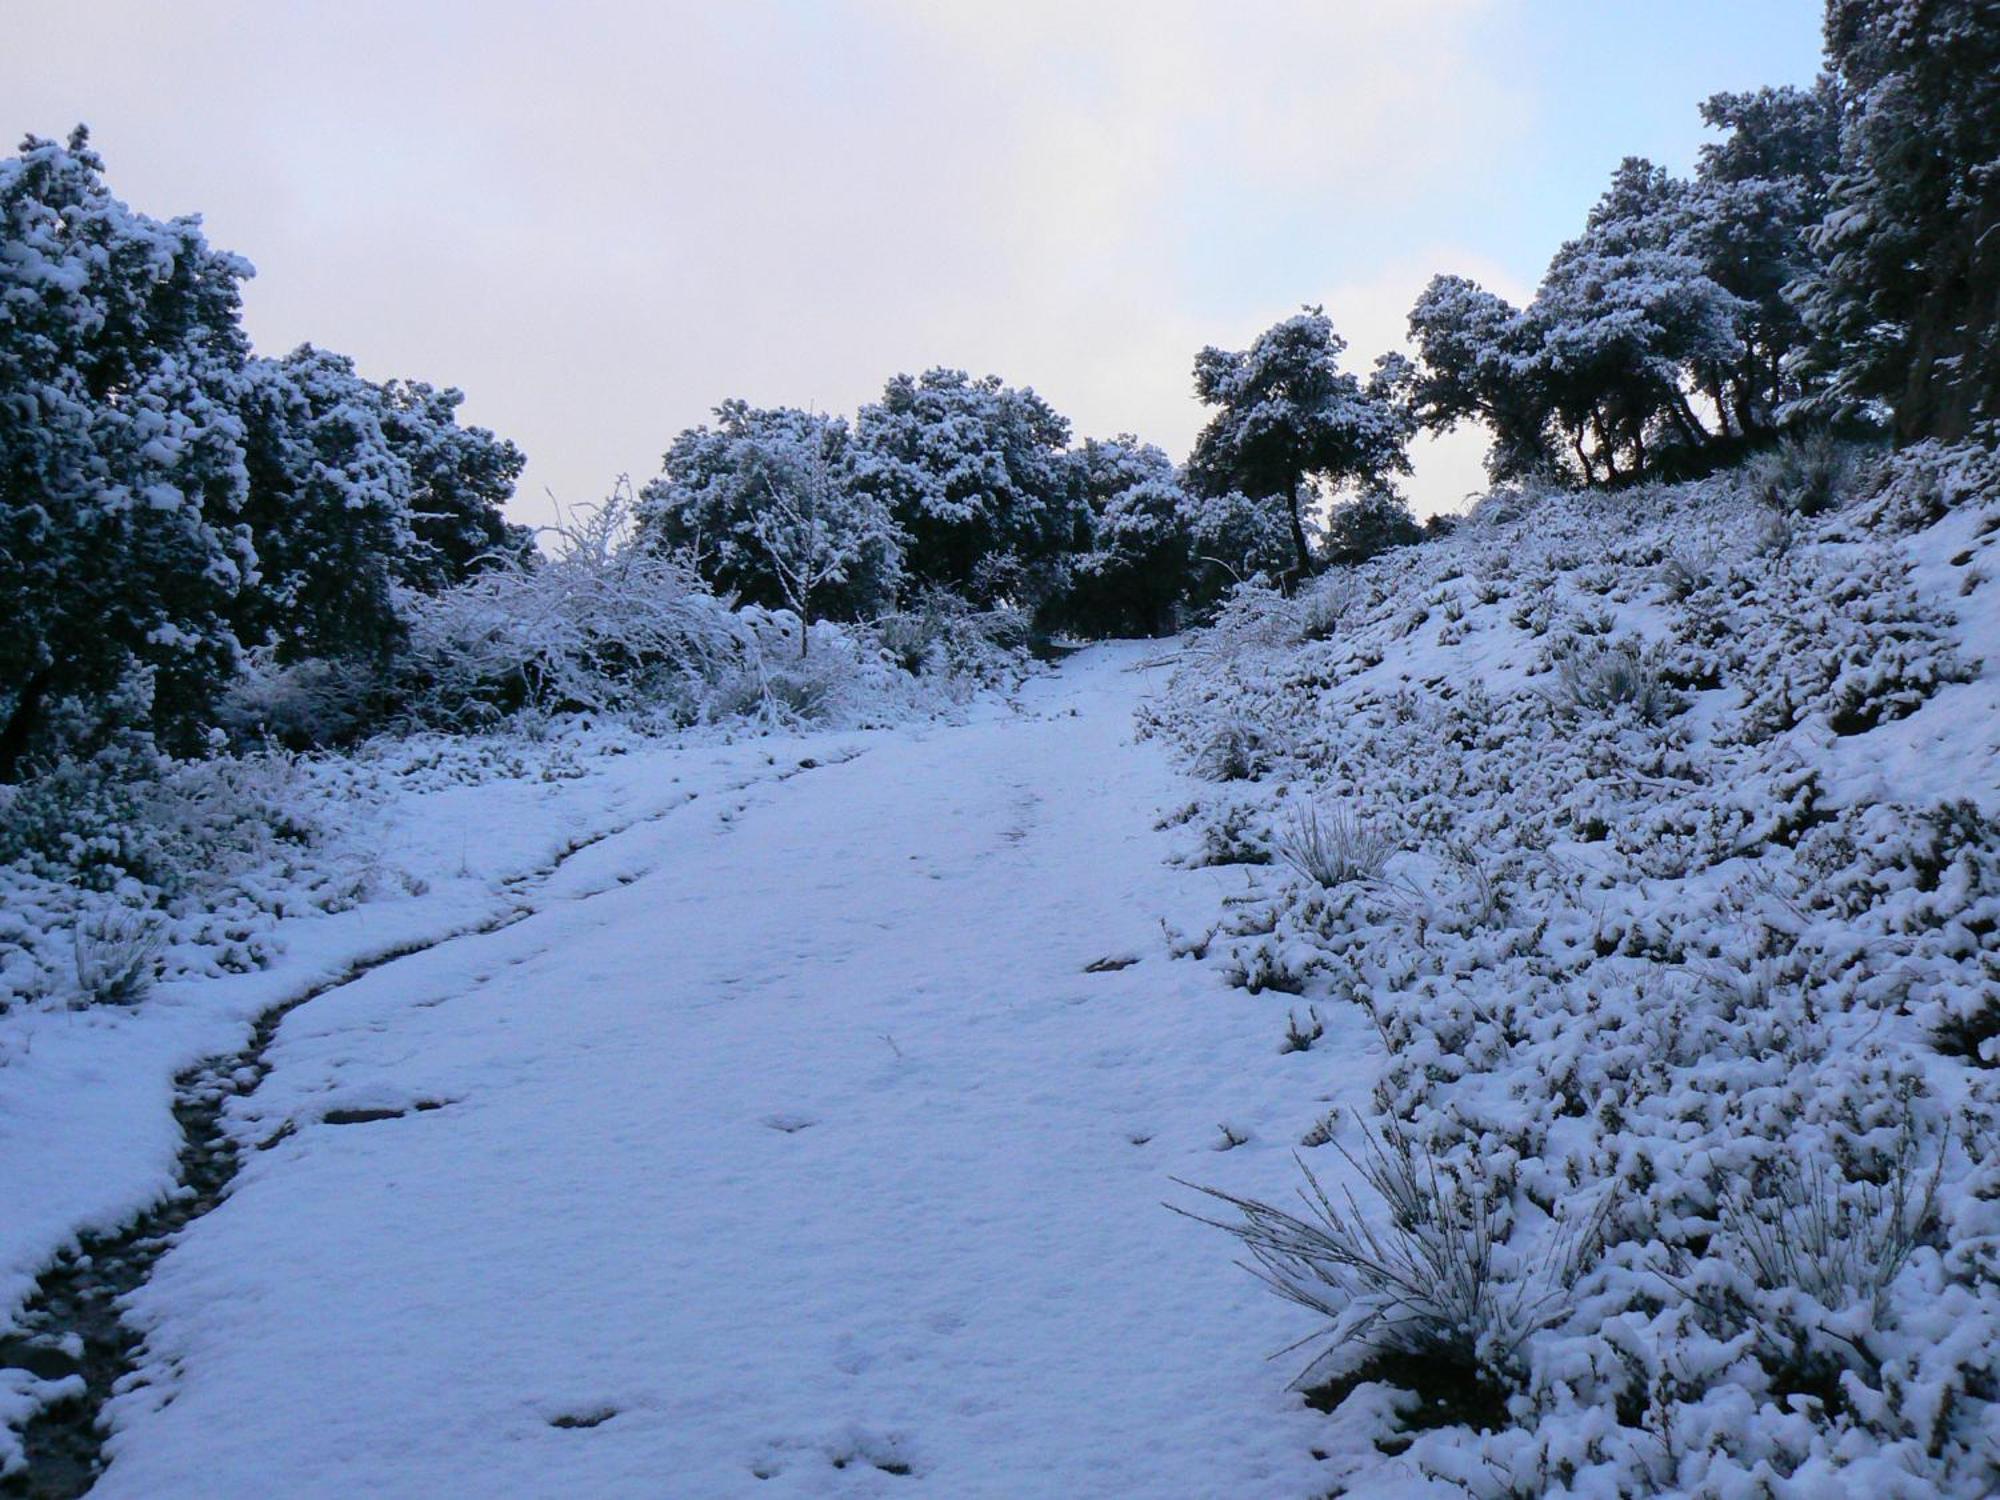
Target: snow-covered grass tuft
117,953
1236,750
1333,846
1423,1284
1595,676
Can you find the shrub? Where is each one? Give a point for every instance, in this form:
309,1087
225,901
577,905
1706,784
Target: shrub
1333,848
1805,476
1237,750
602,625
117,949
1423,1286
1597,677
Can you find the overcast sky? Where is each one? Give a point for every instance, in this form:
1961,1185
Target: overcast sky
601,219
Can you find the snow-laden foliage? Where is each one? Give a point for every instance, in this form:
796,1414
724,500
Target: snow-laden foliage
1684,976
976,475
167,501
1666,334
121,464
1290,422
766,506
1907,309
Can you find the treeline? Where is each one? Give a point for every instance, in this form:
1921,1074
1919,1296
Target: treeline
175,508
1833,262
170,501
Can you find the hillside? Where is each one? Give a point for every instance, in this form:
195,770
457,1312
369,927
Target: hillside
1654,835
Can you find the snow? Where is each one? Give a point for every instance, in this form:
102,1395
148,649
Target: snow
798,1115
792,1130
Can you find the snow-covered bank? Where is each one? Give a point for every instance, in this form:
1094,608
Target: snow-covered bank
1681,932
88,1136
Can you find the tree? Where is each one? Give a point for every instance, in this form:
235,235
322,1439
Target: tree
1368,524
1135,570
121,452
816,530
461,478
767,505
1475,362
1624,322
1289,422
1626,328
328,510
975,474
1908,309
1750,219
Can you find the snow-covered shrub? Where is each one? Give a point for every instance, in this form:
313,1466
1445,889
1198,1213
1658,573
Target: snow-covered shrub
1804,476
1596,676
1237,750
1920,484
601,625
306,704
1325,603
116,949
1424,1285
1332,846
945,639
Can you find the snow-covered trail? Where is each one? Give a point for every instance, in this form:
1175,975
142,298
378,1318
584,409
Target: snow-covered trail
794,1153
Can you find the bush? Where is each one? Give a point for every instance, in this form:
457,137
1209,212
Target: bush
602,625
1597,677
1237,751
117,951
1805,476
1425,1285
1333,848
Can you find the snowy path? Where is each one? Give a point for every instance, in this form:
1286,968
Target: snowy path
794,1153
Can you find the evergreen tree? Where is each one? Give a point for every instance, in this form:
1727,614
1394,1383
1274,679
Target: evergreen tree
328,510
460,481
767,505
1135,571
975,474
1908,310
121,452
1289,422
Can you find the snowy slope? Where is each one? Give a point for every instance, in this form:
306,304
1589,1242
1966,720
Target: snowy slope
1686,962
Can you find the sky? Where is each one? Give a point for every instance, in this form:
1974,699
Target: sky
601,219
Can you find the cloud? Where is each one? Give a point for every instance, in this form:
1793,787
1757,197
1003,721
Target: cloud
602,219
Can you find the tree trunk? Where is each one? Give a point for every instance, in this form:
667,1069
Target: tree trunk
1299,533
1576,442
22,723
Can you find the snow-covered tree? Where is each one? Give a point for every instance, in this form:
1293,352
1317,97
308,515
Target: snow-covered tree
328,510
818,533
1908,311
1290,423
121,452
975,474
1369,523
461,478
767,506
1135,571
1476,362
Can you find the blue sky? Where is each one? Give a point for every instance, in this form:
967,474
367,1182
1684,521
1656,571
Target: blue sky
601,219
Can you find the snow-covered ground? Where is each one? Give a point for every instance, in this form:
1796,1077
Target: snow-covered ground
795,1116
789,1147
